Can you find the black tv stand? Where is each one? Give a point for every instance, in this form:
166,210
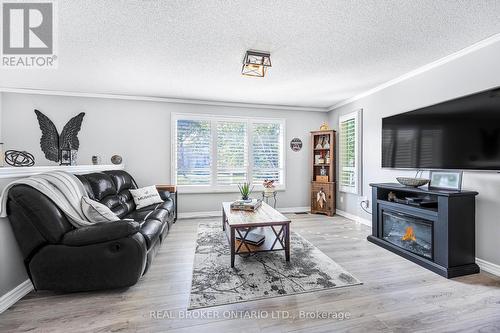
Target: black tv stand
444,238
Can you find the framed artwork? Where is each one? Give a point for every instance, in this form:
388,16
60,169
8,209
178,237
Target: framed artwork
445,180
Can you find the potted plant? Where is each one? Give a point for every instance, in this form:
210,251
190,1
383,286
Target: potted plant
245,191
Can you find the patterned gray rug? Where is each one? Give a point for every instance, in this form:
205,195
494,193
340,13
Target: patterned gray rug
259,276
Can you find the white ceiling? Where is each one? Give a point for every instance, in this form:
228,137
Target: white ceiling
322,52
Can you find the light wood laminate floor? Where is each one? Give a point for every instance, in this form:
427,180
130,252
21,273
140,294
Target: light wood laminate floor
397,295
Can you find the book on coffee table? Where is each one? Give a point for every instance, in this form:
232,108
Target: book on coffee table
246,205
252,238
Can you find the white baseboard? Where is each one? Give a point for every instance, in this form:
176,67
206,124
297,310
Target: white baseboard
10,298
488,266
354,217
287,210
194,215
218,213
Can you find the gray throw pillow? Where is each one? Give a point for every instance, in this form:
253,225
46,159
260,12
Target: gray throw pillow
97,212
146,196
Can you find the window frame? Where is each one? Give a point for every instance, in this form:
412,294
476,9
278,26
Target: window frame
357,116
212,187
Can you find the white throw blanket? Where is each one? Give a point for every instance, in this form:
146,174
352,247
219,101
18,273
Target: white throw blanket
65,189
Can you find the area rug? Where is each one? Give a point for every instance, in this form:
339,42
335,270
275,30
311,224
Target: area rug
261,275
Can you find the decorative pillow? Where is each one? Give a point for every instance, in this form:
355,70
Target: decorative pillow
97,212
146,196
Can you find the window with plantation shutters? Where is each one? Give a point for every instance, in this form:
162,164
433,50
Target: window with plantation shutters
232,152
349,153
194,149
267,149
213,153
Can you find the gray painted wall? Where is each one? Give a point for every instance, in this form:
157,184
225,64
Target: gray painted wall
471,73
12,271
140,132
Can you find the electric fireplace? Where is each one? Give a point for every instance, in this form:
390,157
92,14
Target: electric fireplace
433,228
408,232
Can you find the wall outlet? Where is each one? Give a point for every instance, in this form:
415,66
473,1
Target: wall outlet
341,199
364,201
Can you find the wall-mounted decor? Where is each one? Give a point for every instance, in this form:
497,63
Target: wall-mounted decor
19,158
296,144
116,159
52,143
445,180
256,63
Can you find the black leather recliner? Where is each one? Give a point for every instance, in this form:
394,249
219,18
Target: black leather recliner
106,255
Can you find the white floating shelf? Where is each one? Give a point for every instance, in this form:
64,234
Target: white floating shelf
18,172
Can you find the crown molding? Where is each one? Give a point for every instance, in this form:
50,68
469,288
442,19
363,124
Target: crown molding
160,99
474,47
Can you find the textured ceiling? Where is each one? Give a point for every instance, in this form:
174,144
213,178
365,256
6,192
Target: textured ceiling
322,51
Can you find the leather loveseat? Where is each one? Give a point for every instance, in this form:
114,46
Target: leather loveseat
106,255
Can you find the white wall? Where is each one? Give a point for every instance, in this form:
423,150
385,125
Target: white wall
140,132
473,72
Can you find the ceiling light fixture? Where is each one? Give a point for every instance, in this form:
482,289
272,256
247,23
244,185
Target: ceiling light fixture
255,63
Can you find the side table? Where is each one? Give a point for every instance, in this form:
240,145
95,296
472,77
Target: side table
267,195
173,190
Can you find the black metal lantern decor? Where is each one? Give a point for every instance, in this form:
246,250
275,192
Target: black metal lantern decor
68,156
256,63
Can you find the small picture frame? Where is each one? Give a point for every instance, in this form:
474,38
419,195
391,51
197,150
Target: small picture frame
445,180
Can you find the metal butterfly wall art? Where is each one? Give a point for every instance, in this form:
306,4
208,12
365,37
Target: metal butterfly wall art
51,142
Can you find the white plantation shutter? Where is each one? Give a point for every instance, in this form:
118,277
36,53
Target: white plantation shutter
349,153
267,152
213,152
232,152
193,148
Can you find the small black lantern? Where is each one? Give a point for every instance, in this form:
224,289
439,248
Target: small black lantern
67,156
256,63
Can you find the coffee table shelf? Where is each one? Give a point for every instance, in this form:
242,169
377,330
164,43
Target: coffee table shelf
265,220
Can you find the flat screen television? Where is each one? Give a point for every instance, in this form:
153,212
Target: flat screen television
461,134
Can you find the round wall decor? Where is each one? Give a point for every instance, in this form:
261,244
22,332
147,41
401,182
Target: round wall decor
296,144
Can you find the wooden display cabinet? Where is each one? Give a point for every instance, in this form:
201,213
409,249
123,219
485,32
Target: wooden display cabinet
323,172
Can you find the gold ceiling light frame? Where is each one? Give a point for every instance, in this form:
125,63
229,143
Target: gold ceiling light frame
256,63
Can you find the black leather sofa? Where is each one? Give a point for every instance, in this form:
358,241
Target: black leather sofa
103,256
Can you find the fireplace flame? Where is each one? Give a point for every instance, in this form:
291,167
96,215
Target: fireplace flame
409,235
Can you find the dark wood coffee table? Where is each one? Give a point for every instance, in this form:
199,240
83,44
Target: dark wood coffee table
264,220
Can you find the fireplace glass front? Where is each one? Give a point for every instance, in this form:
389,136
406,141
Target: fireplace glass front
408,232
